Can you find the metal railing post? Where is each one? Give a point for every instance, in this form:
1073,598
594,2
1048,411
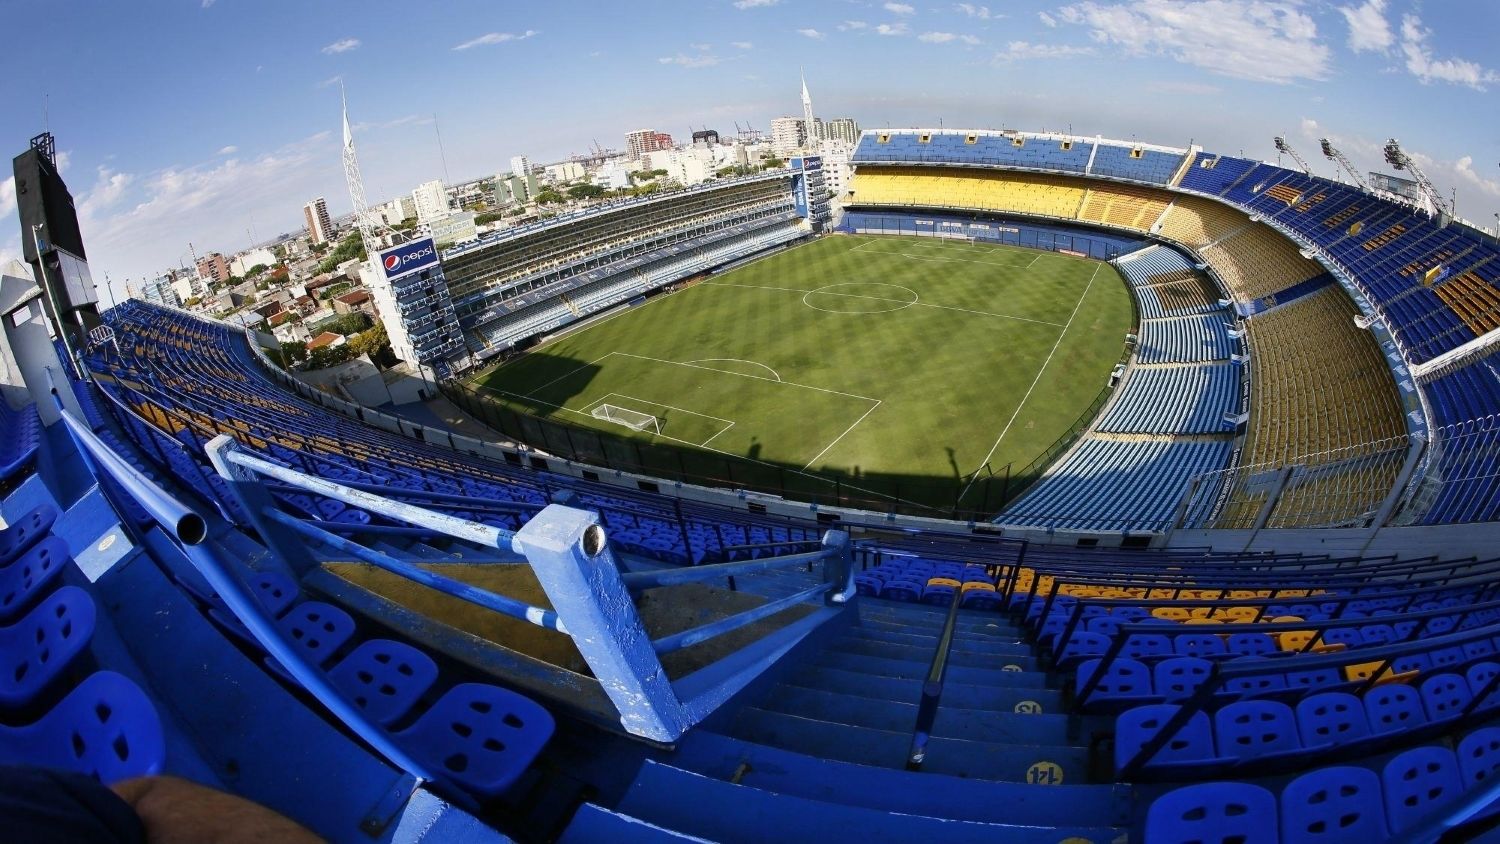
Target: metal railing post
253,500
838,568
570,555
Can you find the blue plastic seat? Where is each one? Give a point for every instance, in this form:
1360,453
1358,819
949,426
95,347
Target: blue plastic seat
902,589
1191,746
39,647
1256,729
1444,696
1479,755
1479,676
1218,812
1331,718
384,678
938,594
1201,645
354,516
1415,782
1392,708
1250,644
30,575
1147,646
1317,678
1106,625
482,737
25,532
1082,645
1126,682
1337,805
1178,678
106,728
868,583
980,599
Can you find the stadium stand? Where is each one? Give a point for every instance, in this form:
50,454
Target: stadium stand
1039,195
1187,339
1174,399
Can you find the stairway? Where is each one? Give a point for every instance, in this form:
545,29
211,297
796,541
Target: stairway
822,752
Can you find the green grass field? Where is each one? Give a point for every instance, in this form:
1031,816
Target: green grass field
897,367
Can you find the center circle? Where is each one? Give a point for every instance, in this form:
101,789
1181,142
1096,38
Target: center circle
860,297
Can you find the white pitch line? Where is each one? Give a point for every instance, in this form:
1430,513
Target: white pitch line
716,434
578,369
737,360
841,436
746,374
1034,382
919,304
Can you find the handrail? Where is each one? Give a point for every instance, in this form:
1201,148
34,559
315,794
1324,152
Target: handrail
702,633
540,616
189,530
714,571
932,689
486,535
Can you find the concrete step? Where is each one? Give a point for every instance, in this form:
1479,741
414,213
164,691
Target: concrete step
901,717
1019,678
961,695
849,643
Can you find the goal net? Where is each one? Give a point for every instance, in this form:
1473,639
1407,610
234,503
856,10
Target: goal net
632,419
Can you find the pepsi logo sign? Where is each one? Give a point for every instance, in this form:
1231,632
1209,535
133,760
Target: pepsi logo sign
409,257
392,262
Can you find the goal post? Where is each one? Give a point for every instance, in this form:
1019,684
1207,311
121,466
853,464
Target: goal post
632,419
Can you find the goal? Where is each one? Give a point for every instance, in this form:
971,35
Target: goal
632,419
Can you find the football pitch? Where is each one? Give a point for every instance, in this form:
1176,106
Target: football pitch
870,368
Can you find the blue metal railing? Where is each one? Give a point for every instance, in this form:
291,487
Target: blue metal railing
189,530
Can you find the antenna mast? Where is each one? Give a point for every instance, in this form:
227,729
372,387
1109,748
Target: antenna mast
1343,161
357,186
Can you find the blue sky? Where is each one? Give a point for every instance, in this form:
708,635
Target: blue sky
204,120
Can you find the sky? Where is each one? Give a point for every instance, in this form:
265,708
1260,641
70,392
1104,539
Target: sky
211,122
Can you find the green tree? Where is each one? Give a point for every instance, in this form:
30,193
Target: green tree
326,356
585,192
256,270
352,246
549,197
773,163
293,351
375,343
487,218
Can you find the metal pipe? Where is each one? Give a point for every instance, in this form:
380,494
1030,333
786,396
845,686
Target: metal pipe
932,689
697,635
490,537
540,616
694,574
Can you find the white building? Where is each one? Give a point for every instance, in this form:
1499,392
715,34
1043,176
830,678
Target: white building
319,226
788,134
520,165
842,129
455,228
836,170
240,265
430,201
566,171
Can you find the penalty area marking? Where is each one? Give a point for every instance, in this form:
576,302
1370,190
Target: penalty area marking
774,373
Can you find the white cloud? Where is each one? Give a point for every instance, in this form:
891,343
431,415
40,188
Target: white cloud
1463,170
207,3
702,48
1019,51
685,60
741,45
228,150
1194,89
900,9
812,33
1368,28
343,45
495,38
853,25
1047,19
332,80
946,37
752,4
981,12
1262,40
1420,63
7,195
892,29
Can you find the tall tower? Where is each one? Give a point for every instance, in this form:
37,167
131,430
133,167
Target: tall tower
357,185
808,123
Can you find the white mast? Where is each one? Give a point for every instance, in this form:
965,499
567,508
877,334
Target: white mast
807,115
357,184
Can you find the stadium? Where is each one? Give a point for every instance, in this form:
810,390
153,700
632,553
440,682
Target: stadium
1056,488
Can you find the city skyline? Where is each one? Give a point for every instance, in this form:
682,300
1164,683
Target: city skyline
159,169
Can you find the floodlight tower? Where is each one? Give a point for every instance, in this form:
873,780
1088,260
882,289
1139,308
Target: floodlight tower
1398,159
1332,152
357,185
1283,146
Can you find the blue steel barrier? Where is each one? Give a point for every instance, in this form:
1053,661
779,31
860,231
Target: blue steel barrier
569,553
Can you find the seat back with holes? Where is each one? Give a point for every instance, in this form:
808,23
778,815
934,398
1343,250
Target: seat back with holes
1334,805
1416,782
29,575
105,728
1147,646
1444,696
36,649
1250,644
1479,756
1393,708
1193,744
18,536
1213,811
384,678
1479,675
1331,718
1202,645
1251,729
317,629
482,737
1179,677
1082,645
